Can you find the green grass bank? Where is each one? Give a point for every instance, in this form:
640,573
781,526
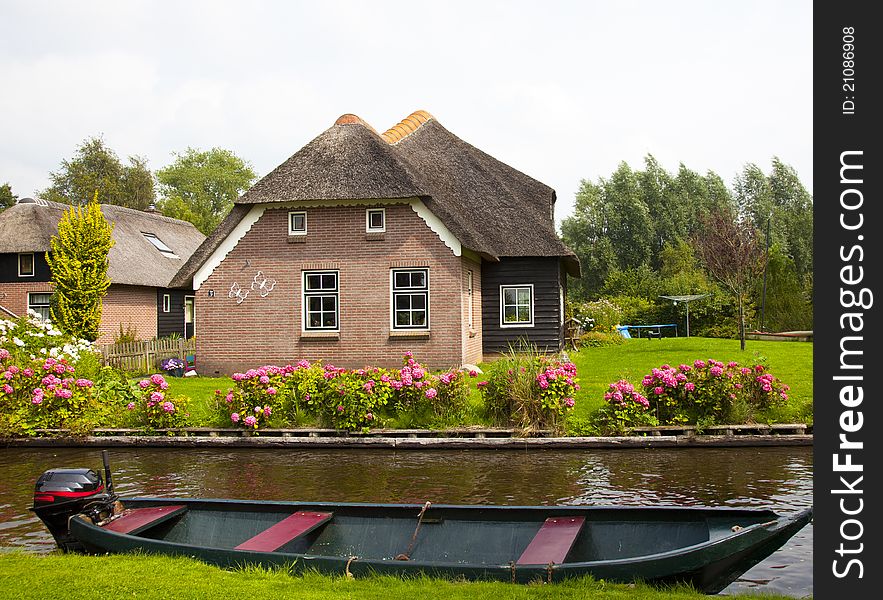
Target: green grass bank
76,577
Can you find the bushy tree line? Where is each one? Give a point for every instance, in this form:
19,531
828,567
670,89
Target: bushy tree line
198,186
643,234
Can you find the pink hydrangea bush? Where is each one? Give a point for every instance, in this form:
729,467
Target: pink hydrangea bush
624,408
530,390
154,408
46,394
711,391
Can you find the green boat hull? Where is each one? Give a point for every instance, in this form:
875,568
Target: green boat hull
705,547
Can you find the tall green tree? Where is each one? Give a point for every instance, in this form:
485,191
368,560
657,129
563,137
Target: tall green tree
96,168
200,186
78,261
7,198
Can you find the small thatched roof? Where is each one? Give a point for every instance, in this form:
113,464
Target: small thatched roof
493,209
29,226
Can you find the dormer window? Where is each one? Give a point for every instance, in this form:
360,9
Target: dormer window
297,223
26,265
159,244
375,220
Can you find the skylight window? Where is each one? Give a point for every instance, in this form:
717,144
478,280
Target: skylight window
159,244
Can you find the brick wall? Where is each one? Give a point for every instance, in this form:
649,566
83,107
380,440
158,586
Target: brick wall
267,329
14,296
132,306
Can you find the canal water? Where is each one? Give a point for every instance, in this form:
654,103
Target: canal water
779,478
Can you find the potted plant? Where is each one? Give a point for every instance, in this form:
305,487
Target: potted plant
173,366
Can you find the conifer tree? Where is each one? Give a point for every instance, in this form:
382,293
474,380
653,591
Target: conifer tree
78,260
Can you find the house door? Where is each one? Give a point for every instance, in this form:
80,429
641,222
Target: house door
189,317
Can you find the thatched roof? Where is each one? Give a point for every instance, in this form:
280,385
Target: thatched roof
492,209
29,226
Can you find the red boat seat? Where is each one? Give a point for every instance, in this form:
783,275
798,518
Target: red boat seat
137,520
284,531
552,542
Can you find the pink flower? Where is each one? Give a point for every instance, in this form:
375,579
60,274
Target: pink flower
689,386
264,379
716,371
83,383
431,393
144,383
271,391
28,372
157,379
63,393
658,390
251,421
267,411
340,408
130,406
7,389
157,397
569,402
473,373
369,416
37,400
481,384
234,417
168,407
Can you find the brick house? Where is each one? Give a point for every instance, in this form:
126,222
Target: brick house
362,245
148,250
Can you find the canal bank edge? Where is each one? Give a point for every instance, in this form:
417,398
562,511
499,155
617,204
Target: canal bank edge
495,439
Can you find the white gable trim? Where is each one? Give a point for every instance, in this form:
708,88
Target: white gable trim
436,225
230,242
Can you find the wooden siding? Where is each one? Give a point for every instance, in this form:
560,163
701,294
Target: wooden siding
172,321
9,268
545,274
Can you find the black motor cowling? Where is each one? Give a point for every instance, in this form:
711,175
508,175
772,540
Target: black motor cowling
62,493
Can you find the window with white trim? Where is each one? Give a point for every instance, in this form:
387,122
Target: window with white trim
26,265
39,303
375,220
516,305
321,295
297,223
166,303
410,298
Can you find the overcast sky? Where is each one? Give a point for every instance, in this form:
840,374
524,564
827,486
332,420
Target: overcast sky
562,91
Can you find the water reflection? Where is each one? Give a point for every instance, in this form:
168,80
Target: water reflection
779,478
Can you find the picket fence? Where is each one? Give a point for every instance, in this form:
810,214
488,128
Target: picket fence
146,356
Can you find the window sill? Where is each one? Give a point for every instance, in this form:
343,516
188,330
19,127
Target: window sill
320,335
422,334
294,239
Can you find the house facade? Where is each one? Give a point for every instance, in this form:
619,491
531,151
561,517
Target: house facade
148,250
362,246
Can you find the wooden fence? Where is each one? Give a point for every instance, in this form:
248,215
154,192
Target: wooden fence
146,356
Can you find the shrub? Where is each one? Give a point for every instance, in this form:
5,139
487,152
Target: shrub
607,314
46,394
598,339
30,338
529,390
625,408
152,409
709,391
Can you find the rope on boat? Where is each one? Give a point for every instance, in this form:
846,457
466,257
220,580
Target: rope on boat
347,568
406,555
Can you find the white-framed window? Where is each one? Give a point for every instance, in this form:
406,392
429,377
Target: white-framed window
39,303
410,298
159,244
166,303
321,299
297,222
375,220
26,265
516,305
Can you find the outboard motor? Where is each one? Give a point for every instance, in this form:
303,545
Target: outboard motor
62,493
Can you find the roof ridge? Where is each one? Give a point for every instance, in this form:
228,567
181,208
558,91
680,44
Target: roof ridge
406,126
352,119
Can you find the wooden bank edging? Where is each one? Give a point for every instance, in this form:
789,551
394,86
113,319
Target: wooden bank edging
416,443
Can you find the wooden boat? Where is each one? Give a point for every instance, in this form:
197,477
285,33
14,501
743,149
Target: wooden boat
706,547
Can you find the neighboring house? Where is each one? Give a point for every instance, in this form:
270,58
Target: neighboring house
362,246
148,250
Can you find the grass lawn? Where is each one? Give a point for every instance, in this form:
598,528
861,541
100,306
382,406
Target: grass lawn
791,362
76,577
